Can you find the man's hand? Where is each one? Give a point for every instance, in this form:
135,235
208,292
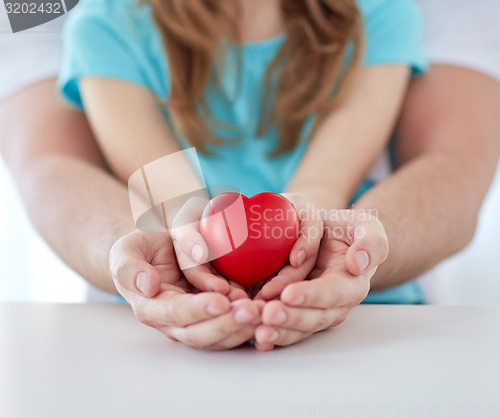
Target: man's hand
193,254
146,274
354,244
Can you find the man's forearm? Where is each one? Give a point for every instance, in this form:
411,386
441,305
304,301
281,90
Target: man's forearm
80,221
428,213
448,143
73,202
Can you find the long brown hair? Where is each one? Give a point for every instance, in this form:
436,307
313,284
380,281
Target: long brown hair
309,67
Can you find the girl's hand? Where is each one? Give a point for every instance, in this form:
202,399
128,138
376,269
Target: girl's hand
304,252
353,246
192,251
193,254
146,274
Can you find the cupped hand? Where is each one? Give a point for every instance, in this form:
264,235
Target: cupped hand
192,250
354,244
193,254
303,254
146,274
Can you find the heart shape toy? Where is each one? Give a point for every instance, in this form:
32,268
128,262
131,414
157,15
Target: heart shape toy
249,238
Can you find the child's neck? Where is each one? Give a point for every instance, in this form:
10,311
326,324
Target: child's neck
262,19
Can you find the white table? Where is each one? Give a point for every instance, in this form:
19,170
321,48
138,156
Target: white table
384,361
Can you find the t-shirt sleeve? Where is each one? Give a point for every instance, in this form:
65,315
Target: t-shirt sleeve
393,33
27,59
462,33
29,56
93,45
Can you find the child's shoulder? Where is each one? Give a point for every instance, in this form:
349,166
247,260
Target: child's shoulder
112,39
120,18
396,8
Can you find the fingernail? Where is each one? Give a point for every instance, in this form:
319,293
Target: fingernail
299,300
257,321
362,259
274,336
142,282
197,253
215,310
242,316
279,318
301,257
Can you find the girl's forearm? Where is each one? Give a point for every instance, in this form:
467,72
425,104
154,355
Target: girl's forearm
128,124
348,141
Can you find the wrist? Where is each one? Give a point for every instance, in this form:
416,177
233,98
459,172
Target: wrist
320,197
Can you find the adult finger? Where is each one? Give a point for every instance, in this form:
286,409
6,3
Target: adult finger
261,346
266,336
129,267
208,333
365,234
307,320
328,291
240,337
175,308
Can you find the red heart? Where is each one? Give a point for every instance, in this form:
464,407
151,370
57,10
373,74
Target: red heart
249,239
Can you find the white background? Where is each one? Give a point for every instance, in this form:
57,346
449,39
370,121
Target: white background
29,270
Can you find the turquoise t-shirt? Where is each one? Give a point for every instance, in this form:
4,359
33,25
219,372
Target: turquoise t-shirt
118,39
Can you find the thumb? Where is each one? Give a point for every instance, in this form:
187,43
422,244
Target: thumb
185,231
129,268
369,249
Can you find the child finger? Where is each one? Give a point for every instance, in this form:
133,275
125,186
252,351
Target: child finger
185,231
202,279
311,230
286,276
